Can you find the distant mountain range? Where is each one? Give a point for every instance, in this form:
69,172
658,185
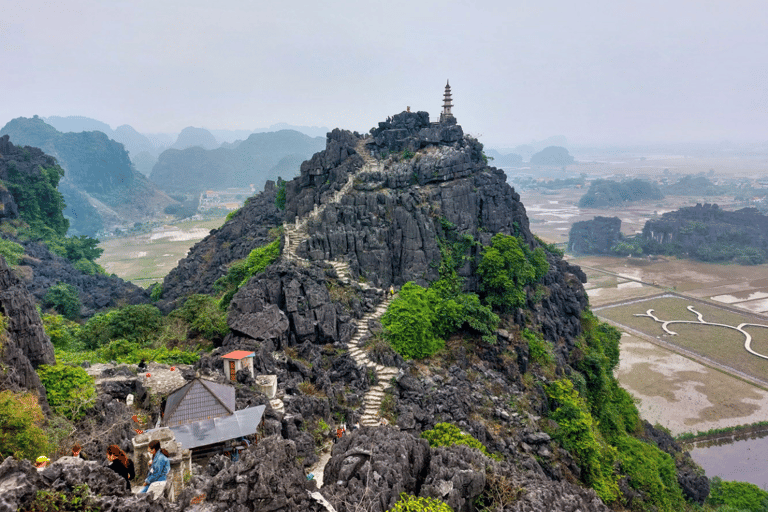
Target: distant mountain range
144,149
261,157
101,187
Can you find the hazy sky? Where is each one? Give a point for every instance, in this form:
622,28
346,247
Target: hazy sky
595,71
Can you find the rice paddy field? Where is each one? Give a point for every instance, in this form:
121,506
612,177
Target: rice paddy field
146,258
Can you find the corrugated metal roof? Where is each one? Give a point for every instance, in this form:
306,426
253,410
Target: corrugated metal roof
239,354
198,400
210,431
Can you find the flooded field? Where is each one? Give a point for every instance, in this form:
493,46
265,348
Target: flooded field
146,258
735,458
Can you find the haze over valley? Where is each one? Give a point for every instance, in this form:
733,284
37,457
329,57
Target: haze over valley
407,256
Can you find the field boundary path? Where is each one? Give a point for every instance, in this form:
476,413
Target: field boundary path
295,233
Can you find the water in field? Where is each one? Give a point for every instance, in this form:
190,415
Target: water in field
742,458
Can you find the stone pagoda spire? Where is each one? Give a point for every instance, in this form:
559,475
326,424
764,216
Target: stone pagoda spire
446,114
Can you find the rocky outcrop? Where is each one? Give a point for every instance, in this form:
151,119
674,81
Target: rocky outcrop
209,259
24,345
266,478
39,269
595,236
709,233
370,467
20,482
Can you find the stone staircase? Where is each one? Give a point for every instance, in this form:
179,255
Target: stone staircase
295,233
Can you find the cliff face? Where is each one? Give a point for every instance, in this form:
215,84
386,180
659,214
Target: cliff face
383,203
595,236
25,345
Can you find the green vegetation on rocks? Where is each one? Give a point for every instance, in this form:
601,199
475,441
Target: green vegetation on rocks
241,271
737,496
506,268
21,421
69,389
64,299
11,251
446,434
410,503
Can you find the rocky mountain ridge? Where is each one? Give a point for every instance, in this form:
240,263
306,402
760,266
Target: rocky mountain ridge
367,213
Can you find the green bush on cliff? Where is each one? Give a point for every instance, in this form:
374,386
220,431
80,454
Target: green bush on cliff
650,471
741,496
11,251
506,268
138,324
21,420
203,317
446,434
408,323
241,271
578,433
64,299
69,389
410,503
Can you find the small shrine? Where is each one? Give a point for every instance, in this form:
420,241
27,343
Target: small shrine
238,360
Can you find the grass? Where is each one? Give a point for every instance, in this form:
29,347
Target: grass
722,345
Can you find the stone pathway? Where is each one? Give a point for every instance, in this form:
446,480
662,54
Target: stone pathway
295,233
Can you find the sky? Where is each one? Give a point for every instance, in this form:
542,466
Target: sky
598,72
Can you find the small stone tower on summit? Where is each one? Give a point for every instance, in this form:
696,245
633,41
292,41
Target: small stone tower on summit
446,114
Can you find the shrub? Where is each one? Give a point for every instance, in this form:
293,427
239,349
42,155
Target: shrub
11,251
89,267
157,292
124,351
410,503
203,316
578,434
69,389
138,324
506,267
79,499
650,471
280,196
446,434
21,418
64,333
539,350
408,323
64,299
742,496
241,271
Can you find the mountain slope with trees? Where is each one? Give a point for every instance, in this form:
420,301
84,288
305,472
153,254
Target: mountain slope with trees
502,395
100,181
261,157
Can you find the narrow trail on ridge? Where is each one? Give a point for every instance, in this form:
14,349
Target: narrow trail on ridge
295,234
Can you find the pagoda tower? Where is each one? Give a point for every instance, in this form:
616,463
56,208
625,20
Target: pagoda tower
446,114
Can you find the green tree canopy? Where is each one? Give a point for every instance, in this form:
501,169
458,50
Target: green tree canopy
21,418
507,266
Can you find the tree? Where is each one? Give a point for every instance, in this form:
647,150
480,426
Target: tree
21,418
69,389
408,323
64,299
507,266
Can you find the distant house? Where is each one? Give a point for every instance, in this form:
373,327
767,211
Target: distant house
202,416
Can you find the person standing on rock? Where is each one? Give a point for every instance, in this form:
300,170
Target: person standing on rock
339,434
161,466
119,463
